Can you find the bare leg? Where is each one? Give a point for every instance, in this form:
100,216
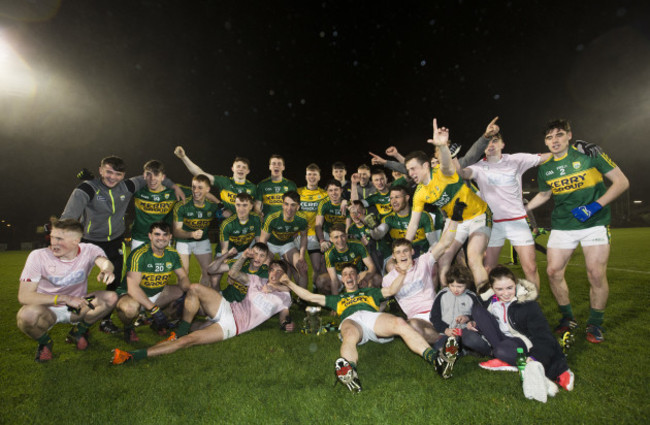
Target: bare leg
475,251
425,329
558,259
526,255
35,320
596,257
388,325
204,261
351,334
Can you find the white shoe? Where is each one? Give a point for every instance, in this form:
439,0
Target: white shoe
534,384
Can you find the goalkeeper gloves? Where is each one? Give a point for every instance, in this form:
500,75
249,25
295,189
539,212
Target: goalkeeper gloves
584,212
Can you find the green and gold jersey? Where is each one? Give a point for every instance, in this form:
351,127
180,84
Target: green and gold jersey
236,291
155,270
442,191
575,180
398,224
363,299
356,232
331,213
281,231
309,202
240,235
355,254
381,201
270,193
227,189
151,207
195,218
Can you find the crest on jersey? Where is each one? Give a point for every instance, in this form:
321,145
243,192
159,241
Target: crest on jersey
576,165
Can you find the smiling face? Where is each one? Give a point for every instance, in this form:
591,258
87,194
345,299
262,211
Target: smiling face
350,278
312,177
494,147
339,174
159,239
243,209
357,212
364,176
403,256
276,166
110,177
289,208
504,289
379,181
240,170
398,200
154,180
557,141
339,240
199,191
334,193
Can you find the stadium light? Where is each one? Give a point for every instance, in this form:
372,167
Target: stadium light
637,202
16,77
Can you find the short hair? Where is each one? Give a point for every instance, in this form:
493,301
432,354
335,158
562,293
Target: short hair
245,196
349,266
280,263
202,178
399,188
160,225
276,156
262,247
313,167
499,136
154,166
363,167
115,162
499,272
401,242
242,159
333,182
293,195
419,156
559,124
357,203
67,224
337,227
338,165
460,274
376,170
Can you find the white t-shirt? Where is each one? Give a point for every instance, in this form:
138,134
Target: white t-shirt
417,293
61,277
500,183
258,306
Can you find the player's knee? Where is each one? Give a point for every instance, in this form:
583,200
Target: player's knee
29,315
128,306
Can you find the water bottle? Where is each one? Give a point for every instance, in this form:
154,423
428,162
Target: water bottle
521,362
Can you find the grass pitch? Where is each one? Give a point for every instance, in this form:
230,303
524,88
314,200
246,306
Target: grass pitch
269,377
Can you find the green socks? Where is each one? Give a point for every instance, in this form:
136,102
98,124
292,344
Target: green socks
566,311
139,354
45,339
429,355
595,317
183,328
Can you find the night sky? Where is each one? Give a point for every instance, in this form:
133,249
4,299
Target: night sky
315,81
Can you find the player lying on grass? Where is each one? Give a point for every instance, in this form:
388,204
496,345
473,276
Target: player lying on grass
265,298
361,321
54,288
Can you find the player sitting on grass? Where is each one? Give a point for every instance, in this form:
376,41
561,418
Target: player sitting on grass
265,298
54,288
145,285
361,321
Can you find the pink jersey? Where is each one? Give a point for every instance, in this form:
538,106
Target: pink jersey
417,293
500,184
258,306
61,277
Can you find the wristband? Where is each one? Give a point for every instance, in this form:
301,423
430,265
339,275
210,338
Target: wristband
56,297
154,310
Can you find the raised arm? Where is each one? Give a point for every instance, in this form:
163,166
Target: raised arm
191,167
477,150
440,140
302,292
235,272
392,151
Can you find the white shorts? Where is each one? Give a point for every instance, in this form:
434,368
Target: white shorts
225,319
569,239
312,243
422,316
63,315
280,249
480,223
367,319
196,248
516,231
135,244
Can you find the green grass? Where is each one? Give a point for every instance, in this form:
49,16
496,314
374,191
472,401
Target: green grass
266,376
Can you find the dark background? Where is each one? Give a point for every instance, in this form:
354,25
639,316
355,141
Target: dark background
316,81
